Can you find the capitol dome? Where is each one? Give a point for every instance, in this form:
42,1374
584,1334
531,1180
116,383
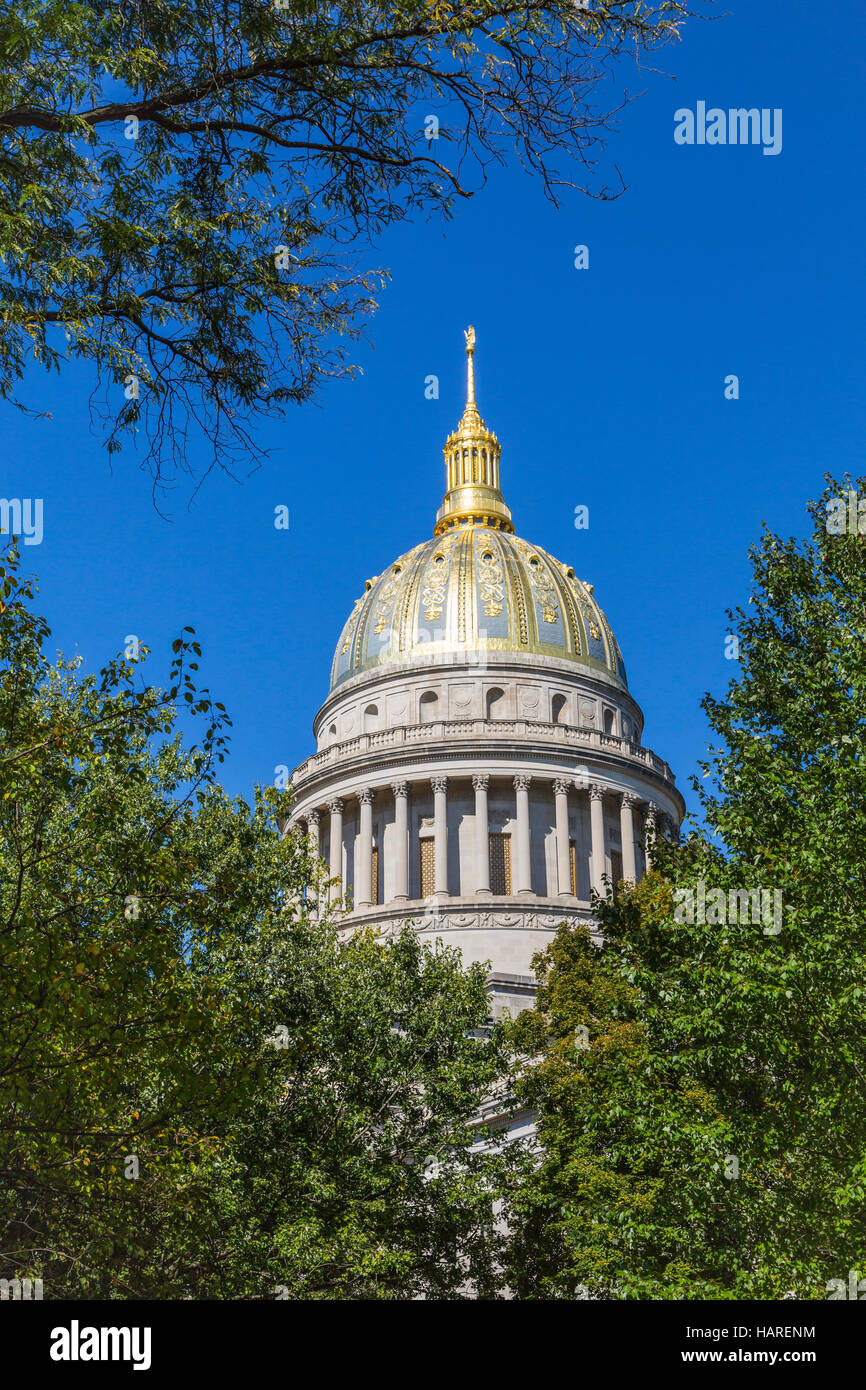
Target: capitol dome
477,589
480,771
475,586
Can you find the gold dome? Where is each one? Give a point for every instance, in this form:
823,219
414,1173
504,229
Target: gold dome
475,587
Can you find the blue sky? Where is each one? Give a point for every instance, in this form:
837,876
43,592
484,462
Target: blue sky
605,386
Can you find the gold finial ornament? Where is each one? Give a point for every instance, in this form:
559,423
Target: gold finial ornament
469,335
472,455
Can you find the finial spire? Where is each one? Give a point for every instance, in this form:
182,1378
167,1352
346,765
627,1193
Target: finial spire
469,335
472,466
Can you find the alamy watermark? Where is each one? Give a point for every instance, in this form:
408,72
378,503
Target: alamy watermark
846,515
738,906
20,1289
854,1288
77,1343
736,126
22,516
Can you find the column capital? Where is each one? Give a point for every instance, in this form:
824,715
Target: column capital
481,781
596,791
629,799
561,786
365,796
439,783
400,788
652,811
336,806
313,817
522,782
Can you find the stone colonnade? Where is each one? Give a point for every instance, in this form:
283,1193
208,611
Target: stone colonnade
629,804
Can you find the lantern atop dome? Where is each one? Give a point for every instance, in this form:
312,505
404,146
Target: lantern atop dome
472,456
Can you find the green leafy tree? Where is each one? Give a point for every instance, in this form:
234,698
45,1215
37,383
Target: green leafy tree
184,184
204,1092
706,1135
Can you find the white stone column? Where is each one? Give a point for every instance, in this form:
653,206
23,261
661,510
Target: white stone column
440,833
481,782
401,832
364,867
563,858
626,833
335,808
313,818
596,820
524,861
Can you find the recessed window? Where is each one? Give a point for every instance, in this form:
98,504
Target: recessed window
427,865
428,706
495,703
500,865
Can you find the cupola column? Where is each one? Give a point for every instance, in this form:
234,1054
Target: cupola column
335,808
401,832
626,830
364,867
315,849
440,833
563,858
596,820
524,862
482,835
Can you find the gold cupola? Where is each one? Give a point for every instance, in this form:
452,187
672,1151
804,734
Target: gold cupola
472,467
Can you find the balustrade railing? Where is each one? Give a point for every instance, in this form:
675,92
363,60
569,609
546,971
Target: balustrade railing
454,730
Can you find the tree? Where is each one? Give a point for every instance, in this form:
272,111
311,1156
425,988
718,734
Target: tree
183,182
705,1136
203,1091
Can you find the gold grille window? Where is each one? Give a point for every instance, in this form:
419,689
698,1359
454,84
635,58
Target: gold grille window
500,865
428,866
572,864
374,877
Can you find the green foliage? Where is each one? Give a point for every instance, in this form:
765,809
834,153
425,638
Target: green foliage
723,1039
203,1091
154,158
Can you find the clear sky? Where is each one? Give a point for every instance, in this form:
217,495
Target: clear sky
606,387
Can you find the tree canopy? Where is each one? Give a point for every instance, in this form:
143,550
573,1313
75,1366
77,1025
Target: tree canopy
700,1080
188,188
204,1092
